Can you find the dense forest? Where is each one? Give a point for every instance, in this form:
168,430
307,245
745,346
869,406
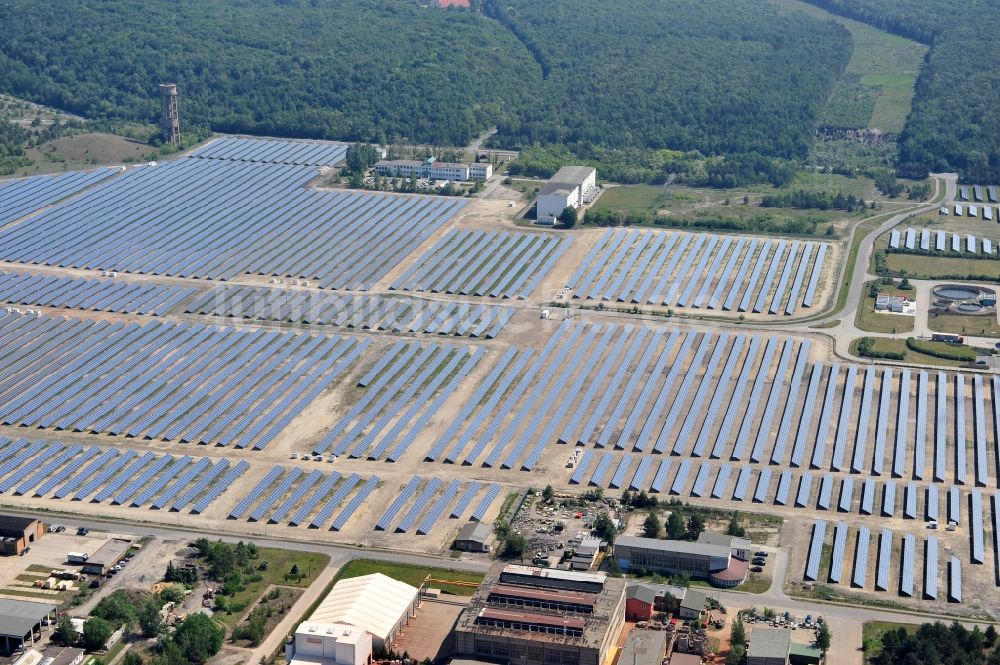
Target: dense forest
716,76
954,123
936,644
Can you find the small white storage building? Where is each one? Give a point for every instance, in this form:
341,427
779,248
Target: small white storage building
329,644
377,603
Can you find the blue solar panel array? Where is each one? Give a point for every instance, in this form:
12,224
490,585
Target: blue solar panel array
944,242
815,551
152,380
21,196
39,470
105,295
273,151
699,270
401,396
498,264
357,311
215,219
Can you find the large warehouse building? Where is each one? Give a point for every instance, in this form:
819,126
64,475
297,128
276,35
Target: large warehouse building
21,623
716,563
536,616
570,187
377,603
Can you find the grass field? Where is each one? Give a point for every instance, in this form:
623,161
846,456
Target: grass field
980,326
886,345
630,197
413,575
871,321
83,151
872,632
279,563
883,70
933,267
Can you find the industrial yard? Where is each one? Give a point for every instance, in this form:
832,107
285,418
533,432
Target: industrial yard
216,341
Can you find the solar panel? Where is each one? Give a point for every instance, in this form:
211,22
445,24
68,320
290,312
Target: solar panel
721,480
603,465
860,573
920,438
954,580
484,504
889,499
660,478
341,520
405,494
930,567
910,502
435,511
902,423
931,507
825,418
884,555
815,551
638,481
976,530
804,491
908,565
825,492
954,499
580,472
465,499
843,424
763,486
680,480
413,513
618,479
742,483
301,488
240,508
214,489
881,433
868,497
846,494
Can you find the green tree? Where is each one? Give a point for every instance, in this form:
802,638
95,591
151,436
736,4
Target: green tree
823,638
65,633
695,525
513,546
737,653
738,633
150,621
132,658
675,526
568,217
651,527
734,528
548,494
96,632
605,528
198,637
990,636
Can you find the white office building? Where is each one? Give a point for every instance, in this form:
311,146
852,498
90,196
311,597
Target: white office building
432,169
571,186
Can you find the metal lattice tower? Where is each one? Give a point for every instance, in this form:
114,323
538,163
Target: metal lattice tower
169,121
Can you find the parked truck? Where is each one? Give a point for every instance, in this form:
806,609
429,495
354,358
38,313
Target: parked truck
77,557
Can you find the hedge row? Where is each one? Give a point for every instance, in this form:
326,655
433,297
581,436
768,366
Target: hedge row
945,350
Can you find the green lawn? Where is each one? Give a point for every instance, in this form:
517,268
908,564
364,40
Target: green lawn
870,320
884,344
630,197
413,575
933,267
979,326
279,563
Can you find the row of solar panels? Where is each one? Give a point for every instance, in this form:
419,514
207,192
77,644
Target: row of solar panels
498,264
701,270
974,211
295,497
22,196
631,389
275,151
90,294
926,240
122,476
978,192
407,386
206,218
353,311
883,563
154,380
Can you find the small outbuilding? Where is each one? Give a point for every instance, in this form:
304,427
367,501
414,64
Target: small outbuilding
17,533
106,556
769,646
21,623
472,537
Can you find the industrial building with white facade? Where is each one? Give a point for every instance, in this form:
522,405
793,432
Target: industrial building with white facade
570,187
